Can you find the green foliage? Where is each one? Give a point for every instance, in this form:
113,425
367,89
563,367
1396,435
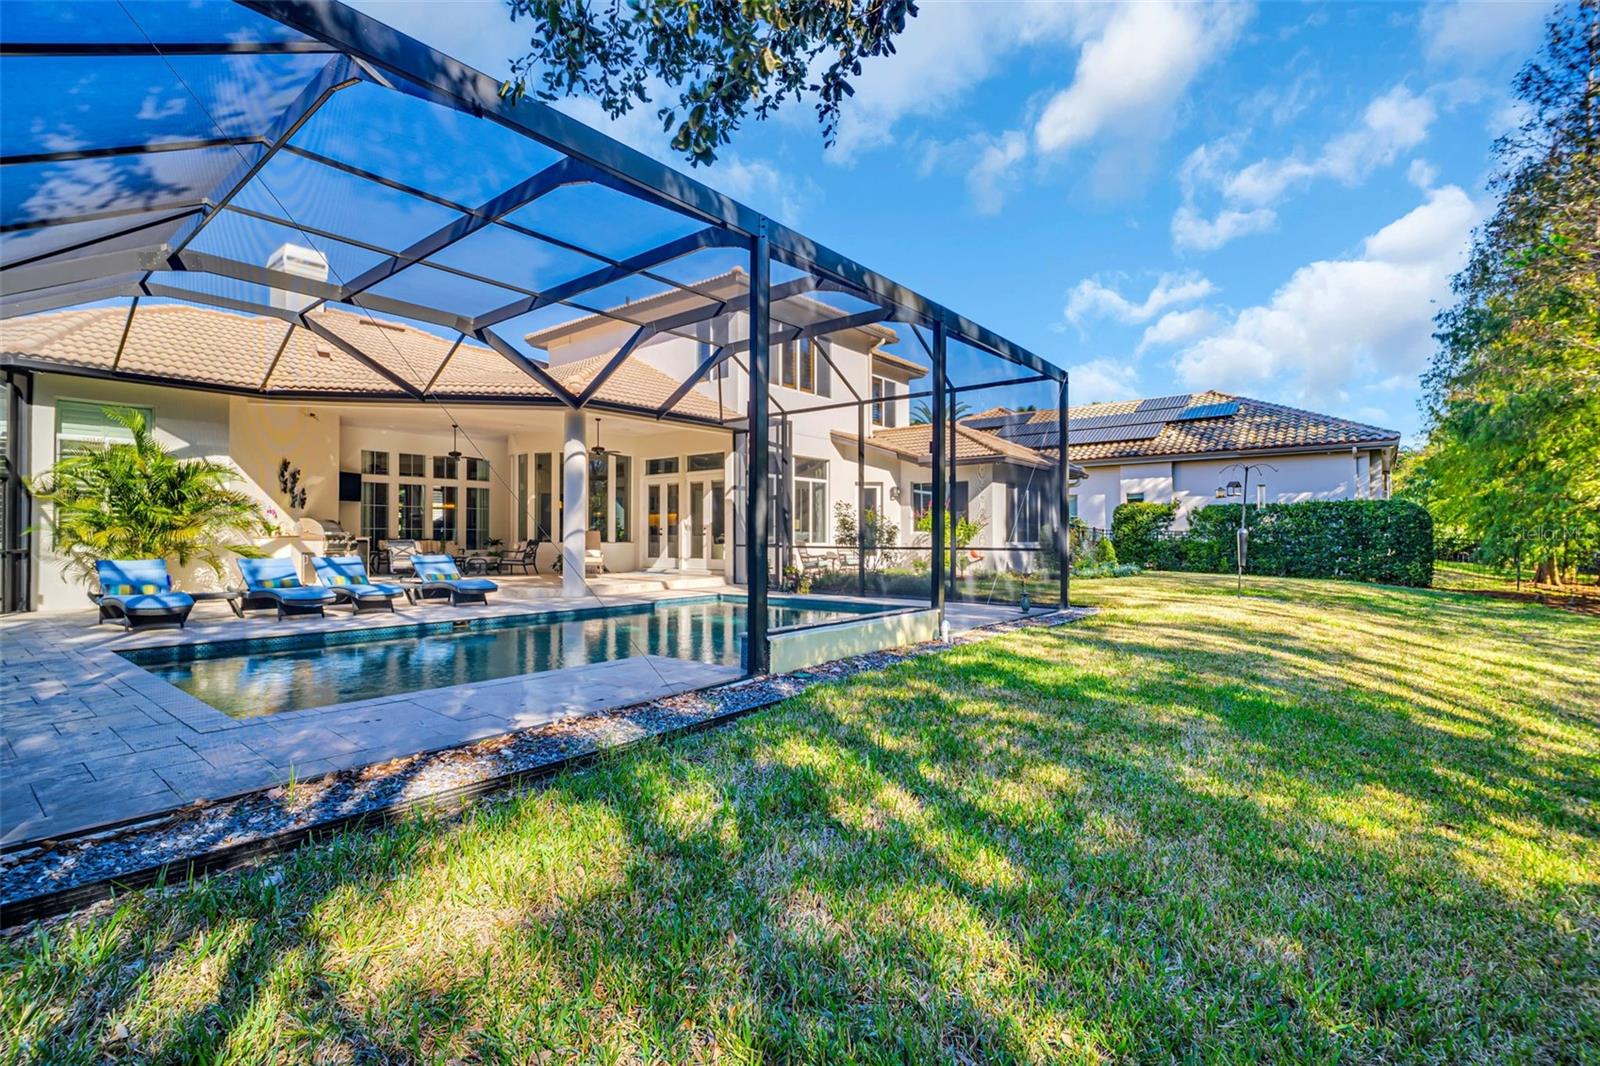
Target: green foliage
882,532
958,534
1386,541
1450,542
139,501
1513,394
1107,570
1104,553
1144,531
922,413
882,583
723,59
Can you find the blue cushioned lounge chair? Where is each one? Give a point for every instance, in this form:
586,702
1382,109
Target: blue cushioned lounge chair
440,578
346,577
139,593
274,583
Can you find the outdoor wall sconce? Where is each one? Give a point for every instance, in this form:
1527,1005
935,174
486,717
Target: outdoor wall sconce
894,493
597,456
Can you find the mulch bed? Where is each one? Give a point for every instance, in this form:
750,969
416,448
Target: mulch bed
55,876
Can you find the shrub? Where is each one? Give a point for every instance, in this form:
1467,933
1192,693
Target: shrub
1104,553
1113,570
1143,532
1453,543
140,501
879,583
1387,541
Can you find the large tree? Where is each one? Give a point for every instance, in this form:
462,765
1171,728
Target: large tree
723,58
1513,393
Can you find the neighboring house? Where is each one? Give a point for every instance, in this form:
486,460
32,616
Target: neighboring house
1186,447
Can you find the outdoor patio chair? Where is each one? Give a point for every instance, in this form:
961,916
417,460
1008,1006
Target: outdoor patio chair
346,577
818,561
526,557
395,556
438,578
139,593
273,583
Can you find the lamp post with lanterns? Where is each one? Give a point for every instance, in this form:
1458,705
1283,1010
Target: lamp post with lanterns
1241,490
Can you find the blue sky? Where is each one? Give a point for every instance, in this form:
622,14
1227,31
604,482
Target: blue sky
1262,199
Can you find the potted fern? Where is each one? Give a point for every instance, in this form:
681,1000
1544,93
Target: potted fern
139,501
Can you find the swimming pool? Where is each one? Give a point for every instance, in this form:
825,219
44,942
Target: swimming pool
270,675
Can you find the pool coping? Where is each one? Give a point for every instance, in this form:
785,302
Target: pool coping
92,741
686,713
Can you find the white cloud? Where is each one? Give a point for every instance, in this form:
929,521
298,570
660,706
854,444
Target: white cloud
1091,298
1336,325
1391,124
1134,69
1475,33
995,171
1422,174
1507,116
1100,380
1192,230
945,51
1176,327
1134,65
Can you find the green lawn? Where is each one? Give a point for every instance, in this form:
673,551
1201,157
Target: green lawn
1322,822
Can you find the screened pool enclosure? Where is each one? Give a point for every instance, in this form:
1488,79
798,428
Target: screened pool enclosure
384,232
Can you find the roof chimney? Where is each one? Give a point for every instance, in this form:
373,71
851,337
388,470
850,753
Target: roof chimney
301,262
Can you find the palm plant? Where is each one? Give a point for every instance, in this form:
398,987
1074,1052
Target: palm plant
139,501
922,414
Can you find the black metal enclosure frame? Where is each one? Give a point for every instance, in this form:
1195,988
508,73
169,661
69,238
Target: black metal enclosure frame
138,252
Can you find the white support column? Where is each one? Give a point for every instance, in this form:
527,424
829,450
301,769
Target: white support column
575,508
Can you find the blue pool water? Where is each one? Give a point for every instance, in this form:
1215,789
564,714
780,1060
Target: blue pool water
270,675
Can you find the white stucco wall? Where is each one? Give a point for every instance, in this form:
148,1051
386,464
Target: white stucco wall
1333,475
195,425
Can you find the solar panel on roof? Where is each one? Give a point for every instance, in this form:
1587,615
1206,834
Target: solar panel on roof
1162,403
1111,434
1209,410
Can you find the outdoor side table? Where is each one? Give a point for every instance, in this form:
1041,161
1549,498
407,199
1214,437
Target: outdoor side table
235,598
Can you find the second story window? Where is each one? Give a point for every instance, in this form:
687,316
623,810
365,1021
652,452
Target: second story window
799,365
713,335
883,408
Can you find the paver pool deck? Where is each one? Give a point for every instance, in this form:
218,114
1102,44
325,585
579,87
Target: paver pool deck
88,739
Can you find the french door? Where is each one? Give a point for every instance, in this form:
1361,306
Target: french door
686,523
663,515
707,534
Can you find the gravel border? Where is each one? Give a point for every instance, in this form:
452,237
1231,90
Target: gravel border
253,825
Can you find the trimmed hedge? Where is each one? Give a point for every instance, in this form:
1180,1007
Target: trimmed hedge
1143,535
1386,541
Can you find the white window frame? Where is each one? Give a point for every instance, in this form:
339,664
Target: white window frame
883,401
115,434
815,489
